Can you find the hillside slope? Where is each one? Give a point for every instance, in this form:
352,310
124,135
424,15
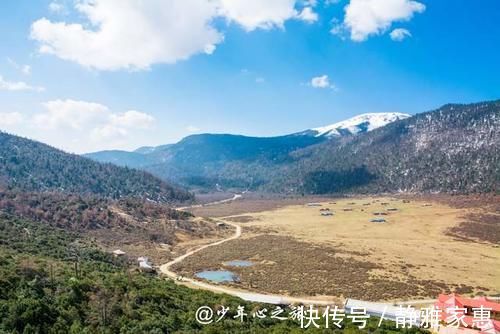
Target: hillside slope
199,160
455,148
212,160
32,166
452,149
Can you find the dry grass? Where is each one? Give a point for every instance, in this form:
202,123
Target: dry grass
283,265
412,255
149,242
247,204
241,219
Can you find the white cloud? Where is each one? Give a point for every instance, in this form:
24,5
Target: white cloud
399,34
75,115
81,126
263,14
132,118
10,119
308,15
311,3
108,132
338,28
134,34
209,49
192,129
18,86
131,34
322,81
247,73
364,18
56,7
25,69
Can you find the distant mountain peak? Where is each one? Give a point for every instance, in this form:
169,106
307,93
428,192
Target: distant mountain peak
358,124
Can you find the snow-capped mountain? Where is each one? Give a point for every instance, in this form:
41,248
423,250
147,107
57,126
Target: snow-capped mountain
361,123
198,150
203,154
453,148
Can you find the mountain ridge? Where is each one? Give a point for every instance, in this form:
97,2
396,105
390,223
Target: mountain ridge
29,165
454,149
358,124
390,157
194,151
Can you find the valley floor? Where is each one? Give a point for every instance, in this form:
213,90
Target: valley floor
424,247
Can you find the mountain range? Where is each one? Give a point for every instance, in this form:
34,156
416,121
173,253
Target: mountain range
196,160
235,147
452,149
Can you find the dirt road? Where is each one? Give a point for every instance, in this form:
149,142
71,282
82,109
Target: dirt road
227,200
245,295
165,269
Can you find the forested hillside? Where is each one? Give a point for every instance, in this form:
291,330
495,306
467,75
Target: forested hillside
85,213
32,166
53,281
453,149
200,160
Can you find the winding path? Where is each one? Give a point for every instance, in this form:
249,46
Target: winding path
245,295
227,200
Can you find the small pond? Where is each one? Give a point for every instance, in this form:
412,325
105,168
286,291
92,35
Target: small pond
239,263
217,275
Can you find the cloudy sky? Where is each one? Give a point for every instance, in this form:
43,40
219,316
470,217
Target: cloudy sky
86,75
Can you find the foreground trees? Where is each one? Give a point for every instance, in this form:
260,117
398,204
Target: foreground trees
52,281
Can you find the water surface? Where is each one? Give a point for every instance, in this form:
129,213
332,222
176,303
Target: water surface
239,263
217,276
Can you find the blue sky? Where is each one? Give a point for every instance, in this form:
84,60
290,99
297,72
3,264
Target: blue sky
102,74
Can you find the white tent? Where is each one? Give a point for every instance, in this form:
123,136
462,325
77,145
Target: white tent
118,252
144,266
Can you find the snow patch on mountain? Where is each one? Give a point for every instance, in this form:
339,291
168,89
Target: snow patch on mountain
357,124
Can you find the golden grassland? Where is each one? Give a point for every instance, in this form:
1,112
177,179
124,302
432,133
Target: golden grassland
412,254
415,235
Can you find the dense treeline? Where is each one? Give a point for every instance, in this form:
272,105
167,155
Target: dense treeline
32,166
52,281
327,182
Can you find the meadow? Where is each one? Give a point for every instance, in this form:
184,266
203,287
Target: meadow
421,249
